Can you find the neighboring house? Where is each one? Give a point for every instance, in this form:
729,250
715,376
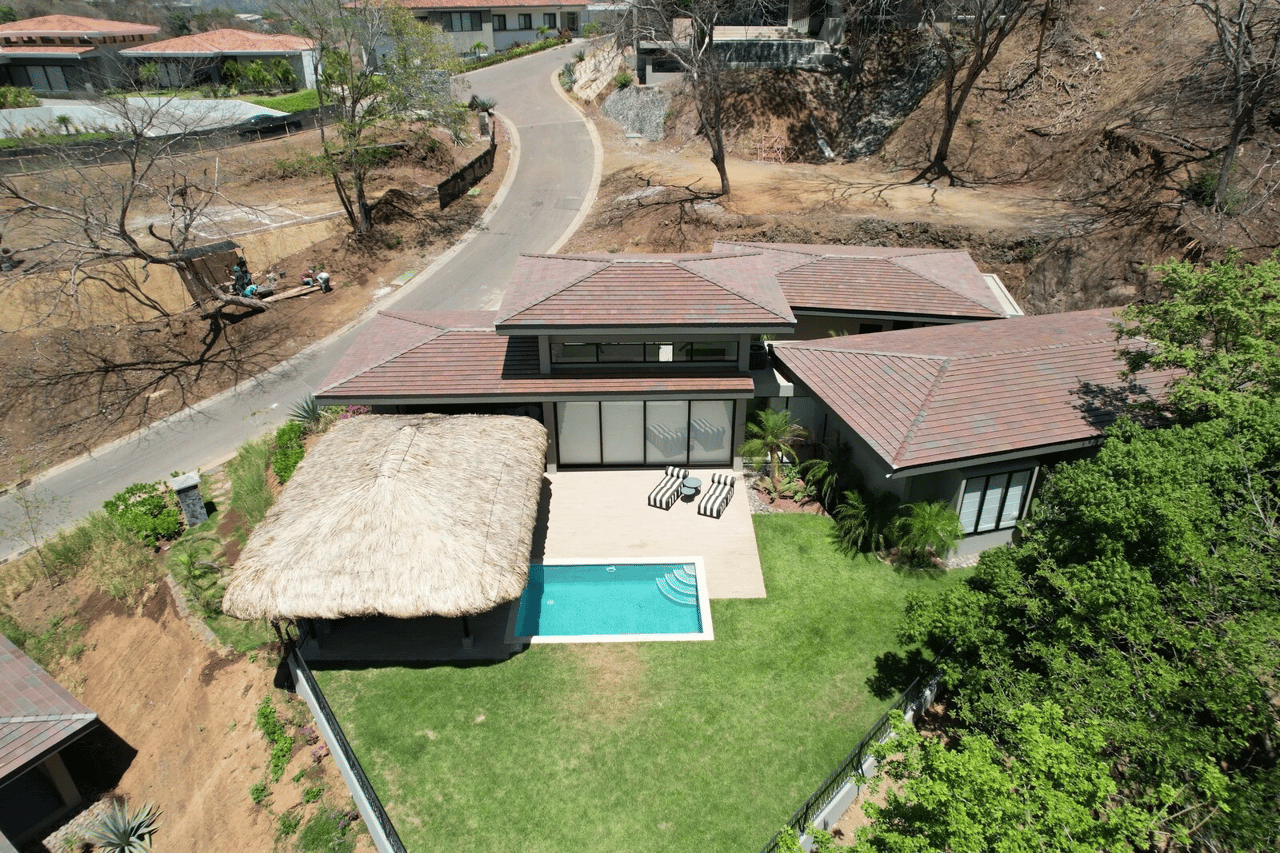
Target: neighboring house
38,720
639,360
199,58
968,414
498,24
66,54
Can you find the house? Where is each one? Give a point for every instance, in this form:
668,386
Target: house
199,58
969,414
39,719
633,360
500,24
67,54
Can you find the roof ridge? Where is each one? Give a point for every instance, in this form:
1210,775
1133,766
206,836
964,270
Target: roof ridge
736,292
48,718
922,413
947,357
575,282
894,260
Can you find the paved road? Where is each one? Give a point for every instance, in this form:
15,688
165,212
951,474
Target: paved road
554,183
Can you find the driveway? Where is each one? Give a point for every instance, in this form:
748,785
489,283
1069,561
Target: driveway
554,183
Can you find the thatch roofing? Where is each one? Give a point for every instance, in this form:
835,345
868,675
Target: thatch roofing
398,515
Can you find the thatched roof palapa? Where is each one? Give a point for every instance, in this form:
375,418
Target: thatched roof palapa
398,515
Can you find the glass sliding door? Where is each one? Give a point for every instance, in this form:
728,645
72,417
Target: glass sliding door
579,429
666,432
710,432
622,432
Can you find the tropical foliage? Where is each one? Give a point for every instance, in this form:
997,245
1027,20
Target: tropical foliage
925,531
772,437
146,511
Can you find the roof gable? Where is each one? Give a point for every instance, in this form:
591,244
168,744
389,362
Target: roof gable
934,395
651,290
877,279
225,41
74,25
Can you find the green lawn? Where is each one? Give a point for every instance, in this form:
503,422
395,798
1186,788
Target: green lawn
650,746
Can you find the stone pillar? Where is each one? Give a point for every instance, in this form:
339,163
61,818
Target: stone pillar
187,488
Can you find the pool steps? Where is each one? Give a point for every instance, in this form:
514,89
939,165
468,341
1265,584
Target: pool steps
679,587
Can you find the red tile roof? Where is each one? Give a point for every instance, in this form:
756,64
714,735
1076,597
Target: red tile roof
74,25
878,279
422,356
224,41
37,714
577,292
496,6
943,393
47,49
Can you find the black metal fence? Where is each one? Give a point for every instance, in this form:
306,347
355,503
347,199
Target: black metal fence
393,842
853,762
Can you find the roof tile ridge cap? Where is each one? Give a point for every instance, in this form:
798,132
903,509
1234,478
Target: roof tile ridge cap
602,263
439,331
894,260
1035,348
735,291
821,347
921,414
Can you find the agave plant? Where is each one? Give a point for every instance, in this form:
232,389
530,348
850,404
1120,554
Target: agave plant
307,412
119,832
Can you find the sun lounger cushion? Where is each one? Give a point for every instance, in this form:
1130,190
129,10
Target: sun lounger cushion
718,495
665,493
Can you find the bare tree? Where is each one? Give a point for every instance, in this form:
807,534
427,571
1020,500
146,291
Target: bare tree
685,30
970,34
381,68
112,211
1249,47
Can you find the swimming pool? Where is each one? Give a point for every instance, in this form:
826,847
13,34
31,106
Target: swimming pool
614,601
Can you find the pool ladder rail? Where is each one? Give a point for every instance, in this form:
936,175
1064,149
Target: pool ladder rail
679,586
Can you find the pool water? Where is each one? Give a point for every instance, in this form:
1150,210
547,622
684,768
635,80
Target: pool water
604,599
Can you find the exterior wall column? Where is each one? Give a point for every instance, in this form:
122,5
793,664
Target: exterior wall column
62,780
549,421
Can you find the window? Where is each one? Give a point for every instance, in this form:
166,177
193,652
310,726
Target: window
499,23
462,22
525,21
653,352
994,502
571,21
549,19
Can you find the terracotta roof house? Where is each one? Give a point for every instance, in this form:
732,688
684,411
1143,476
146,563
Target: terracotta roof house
67,54
500,24
198,58
969,414
628,360
38,719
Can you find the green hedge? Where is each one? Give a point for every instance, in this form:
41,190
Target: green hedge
514,53
289,450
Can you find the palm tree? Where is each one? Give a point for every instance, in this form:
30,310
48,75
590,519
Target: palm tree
928,529
771,436
832,473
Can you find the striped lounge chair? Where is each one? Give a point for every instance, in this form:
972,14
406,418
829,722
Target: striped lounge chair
718,495
666,492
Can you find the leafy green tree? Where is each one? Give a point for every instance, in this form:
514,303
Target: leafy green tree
1220,324
7,15
382,69
772,437
1144,597
1047,788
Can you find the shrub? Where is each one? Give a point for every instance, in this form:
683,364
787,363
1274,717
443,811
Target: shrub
281,743
310,795
1203,185
289,450
329,831
287,825
120,832
927,530
623,79
202,577
865,521
258,793
146,511
15,97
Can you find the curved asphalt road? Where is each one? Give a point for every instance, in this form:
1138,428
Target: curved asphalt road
556,167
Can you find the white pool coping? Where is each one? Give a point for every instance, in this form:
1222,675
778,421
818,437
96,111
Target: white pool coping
704,606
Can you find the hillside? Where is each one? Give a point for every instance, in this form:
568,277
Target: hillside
1097,152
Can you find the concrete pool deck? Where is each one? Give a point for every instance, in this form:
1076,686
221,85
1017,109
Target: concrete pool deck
587,515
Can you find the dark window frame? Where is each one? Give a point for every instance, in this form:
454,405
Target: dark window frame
986,479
